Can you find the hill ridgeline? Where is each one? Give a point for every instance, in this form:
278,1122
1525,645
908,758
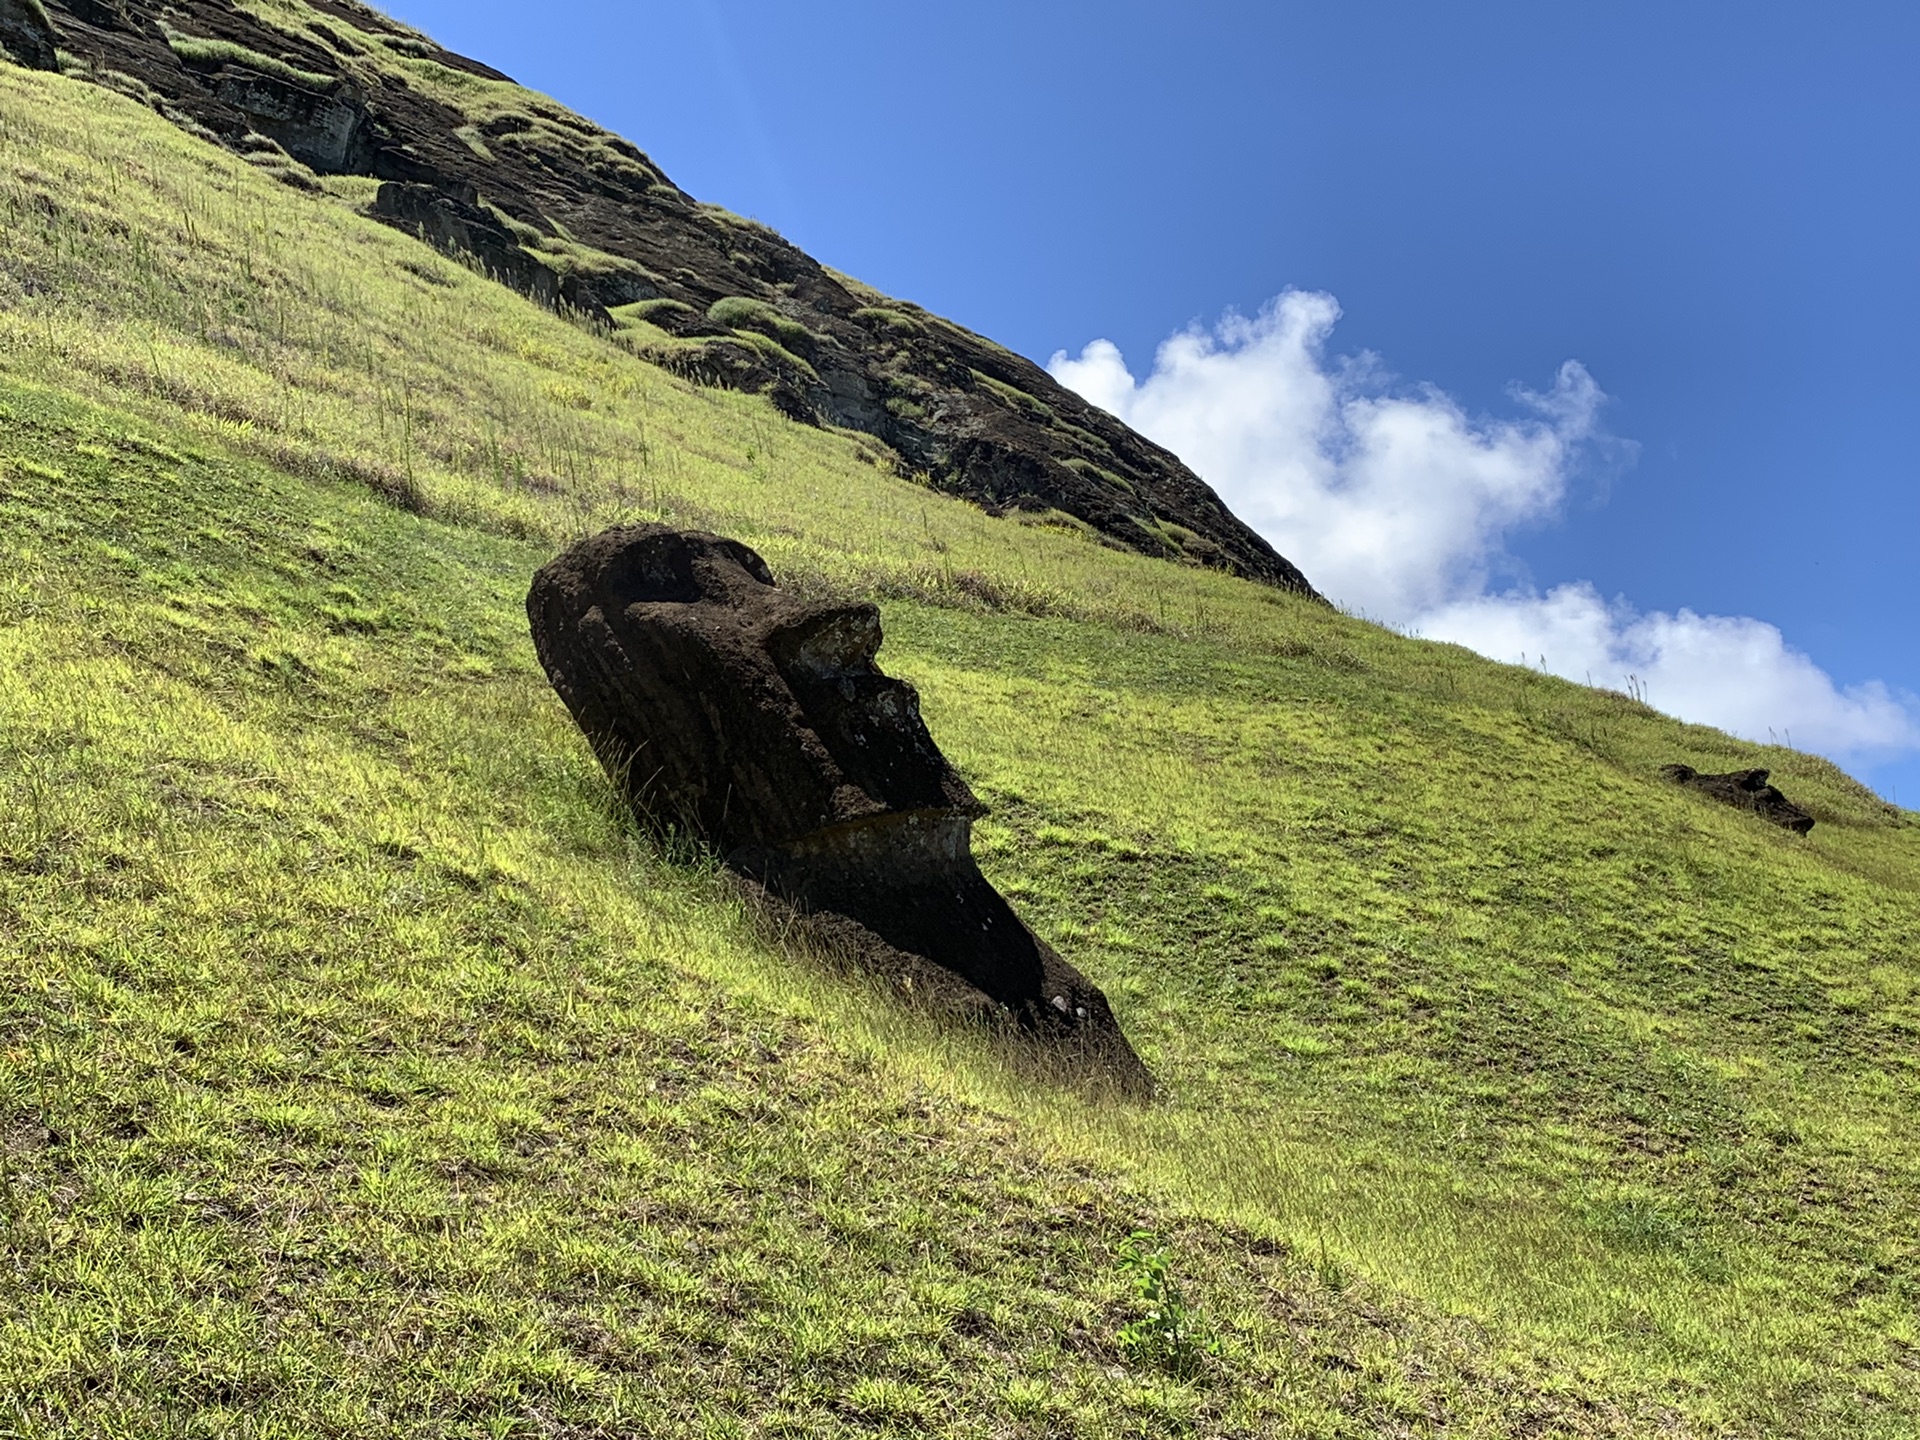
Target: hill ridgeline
576,217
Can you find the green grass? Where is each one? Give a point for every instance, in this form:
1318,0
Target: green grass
362,1074
212,53
348,1034
744,313
897,320
648,311
1014,396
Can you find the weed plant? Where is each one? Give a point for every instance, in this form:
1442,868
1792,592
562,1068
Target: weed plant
1165,1333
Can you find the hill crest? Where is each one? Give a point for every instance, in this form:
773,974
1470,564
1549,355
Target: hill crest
579,218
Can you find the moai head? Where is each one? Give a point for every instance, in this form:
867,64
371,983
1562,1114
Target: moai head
726,708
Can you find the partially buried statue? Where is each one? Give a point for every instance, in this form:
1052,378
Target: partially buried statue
1747,789
756,722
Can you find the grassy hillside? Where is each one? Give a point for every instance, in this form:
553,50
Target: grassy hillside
362,1074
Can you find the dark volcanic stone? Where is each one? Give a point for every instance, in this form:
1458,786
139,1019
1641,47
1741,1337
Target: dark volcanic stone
106,14
26,34
456,221
1747,789
756,722
328,130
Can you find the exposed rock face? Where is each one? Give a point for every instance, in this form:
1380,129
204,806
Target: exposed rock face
326,129
571,215
1747,789
757,722
458,222
26,35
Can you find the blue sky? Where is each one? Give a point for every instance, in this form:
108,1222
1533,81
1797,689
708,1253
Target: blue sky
1420,214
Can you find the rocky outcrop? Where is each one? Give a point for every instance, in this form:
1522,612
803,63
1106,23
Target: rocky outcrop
755,722
576,217
27,35
326,129
1747,789
458,221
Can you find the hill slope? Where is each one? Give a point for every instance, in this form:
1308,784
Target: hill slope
363,1076
579,218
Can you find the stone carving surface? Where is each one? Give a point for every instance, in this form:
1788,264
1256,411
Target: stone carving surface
1747,789
756,721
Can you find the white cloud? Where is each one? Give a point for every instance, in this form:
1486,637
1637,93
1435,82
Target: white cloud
1390,503
1397,504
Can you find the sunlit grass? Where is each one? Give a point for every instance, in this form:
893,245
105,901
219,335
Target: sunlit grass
348,1032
